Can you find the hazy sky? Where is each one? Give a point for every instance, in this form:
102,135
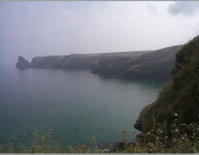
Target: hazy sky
48,28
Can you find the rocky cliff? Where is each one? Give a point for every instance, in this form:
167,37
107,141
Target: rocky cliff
22,63
180,96
142,65
153,65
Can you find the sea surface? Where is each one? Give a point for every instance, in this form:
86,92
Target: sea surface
73,105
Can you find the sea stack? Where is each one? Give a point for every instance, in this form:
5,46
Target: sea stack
22,63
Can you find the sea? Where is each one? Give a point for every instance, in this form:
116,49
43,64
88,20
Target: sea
75,106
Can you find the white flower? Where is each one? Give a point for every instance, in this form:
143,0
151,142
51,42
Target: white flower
160,131
175,114
176,130
106,150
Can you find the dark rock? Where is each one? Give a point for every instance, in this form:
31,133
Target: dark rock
22,63
138,124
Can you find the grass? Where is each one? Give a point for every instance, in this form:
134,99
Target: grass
179,138
179,95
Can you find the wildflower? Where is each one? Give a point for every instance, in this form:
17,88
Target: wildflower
176,130
106,150
176,114
150,145
160,131
150,150
148,133
1,148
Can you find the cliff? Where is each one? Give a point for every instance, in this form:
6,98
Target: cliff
153,65
22,63
149,65
180,96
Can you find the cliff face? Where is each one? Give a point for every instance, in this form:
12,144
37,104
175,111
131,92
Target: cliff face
181,95
155,65
147,65
22,63
70,62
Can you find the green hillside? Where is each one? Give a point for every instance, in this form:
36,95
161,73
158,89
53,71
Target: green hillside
147,65
153,65
180,97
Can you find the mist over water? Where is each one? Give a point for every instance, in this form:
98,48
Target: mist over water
76,105
38,28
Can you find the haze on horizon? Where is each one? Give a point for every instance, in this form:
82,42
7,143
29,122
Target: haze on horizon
60,28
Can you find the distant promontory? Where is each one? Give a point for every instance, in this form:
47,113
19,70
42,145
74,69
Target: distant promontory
142,65
22,63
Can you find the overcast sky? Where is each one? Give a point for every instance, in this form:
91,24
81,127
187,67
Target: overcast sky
49,28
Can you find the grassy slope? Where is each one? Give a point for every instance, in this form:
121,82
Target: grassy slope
154,65
181,95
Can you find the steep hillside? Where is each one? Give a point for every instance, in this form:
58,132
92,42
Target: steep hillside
80,61
155,65
180,97
150,65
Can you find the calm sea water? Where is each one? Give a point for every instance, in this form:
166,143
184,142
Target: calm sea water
76,105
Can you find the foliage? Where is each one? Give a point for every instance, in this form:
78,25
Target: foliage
181,94
179,138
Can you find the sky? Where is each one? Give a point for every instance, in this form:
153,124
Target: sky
44,28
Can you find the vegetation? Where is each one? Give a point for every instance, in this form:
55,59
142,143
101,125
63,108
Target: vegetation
154,65
42,142
181,94
180,138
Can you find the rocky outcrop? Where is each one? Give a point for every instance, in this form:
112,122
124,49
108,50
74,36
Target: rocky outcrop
179,97
22,63
138,124
141,65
